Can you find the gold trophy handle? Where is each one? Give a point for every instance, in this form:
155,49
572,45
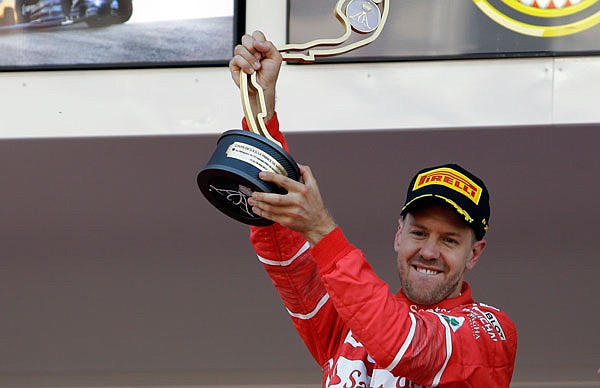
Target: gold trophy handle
290,52
255,120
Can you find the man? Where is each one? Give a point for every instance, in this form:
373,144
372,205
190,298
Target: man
431,333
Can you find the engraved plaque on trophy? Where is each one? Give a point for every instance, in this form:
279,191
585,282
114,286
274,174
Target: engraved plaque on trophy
231,174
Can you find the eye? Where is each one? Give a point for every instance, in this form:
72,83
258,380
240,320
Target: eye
450,241
418,233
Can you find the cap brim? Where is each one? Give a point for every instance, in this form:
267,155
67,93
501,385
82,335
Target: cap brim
444,200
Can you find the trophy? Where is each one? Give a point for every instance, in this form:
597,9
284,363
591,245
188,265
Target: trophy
231,174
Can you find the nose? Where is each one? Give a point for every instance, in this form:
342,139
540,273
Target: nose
430,249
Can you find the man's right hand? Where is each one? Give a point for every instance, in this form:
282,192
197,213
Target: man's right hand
301,209
257,54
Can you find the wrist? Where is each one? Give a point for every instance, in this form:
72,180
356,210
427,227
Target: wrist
318,233
269,105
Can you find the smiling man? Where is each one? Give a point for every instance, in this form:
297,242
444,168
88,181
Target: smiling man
440,234
431,333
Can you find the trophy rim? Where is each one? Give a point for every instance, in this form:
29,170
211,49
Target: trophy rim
241,177
274,146
222,180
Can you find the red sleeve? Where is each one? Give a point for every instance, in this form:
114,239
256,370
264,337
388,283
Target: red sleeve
286,257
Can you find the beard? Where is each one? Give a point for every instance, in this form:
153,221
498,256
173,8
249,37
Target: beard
430,294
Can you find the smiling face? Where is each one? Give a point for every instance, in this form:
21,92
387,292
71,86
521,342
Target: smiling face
434,249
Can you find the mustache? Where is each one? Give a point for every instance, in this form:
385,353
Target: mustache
434,264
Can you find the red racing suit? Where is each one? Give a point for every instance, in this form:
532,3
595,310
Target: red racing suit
363,335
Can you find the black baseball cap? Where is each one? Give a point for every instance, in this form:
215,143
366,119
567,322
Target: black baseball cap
457,187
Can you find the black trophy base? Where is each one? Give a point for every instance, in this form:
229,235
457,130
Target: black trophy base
231,175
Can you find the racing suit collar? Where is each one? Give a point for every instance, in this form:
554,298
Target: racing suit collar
465,297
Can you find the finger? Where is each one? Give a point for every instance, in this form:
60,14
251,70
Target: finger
306,174
260,42
265,214
277,211
266,202
236,66
245,59
281,181
259,36
249,42
234,69
267,205
265,47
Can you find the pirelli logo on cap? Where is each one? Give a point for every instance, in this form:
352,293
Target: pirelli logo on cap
452,179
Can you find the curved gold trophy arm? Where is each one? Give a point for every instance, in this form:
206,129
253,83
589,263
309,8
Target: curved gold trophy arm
255,120
311,54
341,16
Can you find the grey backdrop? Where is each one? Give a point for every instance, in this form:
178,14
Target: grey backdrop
441,29
115,270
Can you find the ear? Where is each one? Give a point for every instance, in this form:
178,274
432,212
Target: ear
476,251
398,232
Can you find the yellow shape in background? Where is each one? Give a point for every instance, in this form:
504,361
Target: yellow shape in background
536,30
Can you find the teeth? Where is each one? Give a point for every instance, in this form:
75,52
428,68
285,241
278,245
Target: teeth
426,271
